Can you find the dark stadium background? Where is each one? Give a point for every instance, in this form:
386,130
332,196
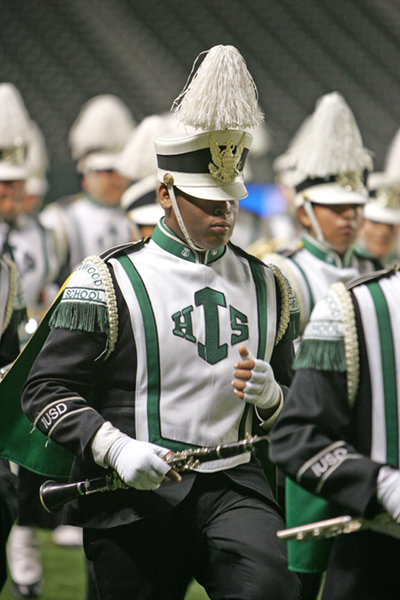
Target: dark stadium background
60,53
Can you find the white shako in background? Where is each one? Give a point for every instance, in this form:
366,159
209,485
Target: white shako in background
327,163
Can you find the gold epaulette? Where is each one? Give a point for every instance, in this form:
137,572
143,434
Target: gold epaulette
289,304
350,336
111,300
263,246
12,282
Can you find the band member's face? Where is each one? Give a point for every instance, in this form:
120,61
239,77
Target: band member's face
105,187
11,199
210,224
380,238
339,223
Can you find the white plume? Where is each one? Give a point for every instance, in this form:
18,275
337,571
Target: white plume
392,161
138,159
328,142
14,118
104,123
221,94
37,158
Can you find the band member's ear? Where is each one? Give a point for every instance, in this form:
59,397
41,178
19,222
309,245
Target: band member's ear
163,197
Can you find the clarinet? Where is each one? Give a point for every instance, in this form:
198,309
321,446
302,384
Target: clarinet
329,528
54,495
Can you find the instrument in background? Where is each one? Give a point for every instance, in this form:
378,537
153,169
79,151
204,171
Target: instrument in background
54,495
329,528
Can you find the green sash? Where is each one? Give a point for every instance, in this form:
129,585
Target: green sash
19,442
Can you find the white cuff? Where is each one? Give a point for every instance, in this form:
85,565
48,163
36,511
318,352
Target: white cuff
102,442
269,422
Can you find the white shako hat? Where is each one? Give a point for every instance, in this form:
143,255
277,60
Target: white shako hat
37,162
219,101
100,132
14,134
328,156
140,202
384,203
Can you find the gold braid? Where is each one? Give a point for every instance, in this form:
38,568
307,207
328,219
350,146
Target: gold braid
11,293
351,348
111,300
285,303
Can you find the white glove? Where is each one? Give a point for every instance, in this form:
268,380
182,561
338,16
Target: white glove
139,464
262,389
388,491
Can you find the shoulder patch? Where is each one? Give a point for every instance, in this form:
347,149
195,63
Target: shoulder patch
88,301
330,340
322,345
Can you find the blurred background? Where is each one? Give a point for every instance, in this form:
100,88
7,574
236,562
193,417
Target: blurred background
61,53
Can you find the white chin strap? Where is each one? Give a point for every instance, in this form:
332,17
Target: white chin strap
308,208
181,224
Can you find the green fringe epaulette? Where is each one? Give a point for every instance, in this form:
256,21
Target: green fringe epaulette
83,317
97,309
330,341
320,355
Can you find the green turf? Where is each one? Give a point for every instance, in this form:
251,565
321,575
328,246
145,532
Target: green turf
65,577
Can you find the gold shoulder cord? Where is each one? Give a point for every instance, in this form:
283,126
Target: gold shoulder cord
285,304
11,293
294,284
350,340
110,299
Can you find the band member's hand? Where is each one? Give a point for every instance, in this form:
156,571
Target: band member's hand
139,464
388,491
254,381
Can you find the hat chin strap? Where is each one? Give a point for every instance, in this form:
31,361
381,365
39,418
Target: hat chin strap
181,224
308,208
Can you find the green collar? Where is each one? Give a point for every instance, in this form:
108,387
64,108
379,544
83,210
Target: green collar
326,254
169,242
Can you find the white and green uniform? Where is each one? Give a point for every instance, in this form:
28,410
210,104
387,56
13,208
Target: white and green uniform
85,227
33,249
167,323
191,330
312,267
340,425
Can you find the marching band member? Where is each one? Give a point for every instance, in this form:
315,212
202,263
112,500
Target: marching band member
177,341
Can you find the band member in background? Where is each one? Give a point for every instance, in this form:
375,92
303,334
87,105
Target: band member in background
379,233
326,161
92,221
337,435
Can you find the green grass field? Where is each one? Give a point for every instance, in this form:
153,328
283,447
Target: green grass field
65,577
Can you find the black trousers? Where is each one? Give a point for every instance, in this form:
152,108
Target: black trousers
223,537
365,566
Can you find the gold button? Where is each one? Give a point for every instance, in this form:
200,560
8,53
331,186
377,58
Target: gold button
168,179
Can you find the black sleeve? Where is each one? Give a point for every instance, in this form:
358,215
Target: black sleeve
310,442
56,395
281,362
